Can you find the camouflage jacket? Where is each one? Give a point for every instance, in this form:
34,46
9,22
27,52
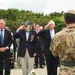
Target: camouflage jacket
63,44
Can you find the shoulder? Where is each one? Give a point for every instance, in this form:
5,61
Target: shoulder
21,31
60,33
60,36
46,30
7,31
56,30
31,30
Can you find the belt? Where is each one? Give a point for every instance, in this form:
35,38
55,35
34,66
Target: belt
67,63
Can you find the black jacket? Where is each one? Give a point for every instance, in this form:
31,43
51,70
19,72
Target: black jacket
30,44
7,41
45,34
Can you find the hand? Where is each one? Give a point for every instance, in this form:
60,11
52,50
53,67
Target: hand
47,26
20,28
34,54
3,49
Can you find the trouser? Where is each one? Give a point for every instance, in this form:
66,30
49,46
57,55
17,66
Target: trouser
39,56
4,62
26,63
67,70
52,64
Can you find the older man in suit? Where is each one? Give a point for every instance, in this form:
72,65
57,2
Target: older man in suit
26,50
5,43
47,34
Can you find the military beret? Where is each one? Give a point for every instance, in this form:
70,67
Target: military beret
70,12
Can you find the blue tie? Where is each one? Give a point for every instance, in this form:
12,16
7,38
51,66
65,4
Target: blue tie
1,37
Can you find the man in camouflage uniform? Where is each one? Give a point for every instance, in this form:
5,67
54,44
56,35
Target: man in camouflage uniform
63,45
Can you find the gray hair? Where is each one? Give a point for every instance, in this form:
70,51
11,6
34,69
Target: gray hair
2,21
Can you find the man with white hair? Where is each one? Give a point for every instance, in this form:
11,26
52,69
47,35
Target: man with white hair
5,43
48,34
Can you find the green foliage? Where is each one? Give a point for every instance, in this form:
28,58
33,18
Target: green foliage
59,22
14,18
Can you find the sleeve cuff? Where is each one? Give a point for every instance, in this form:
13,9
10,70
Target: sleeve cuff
7,47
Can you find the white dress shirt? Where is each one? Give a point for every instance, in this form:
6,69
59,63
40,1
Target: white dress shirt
52,33
27,35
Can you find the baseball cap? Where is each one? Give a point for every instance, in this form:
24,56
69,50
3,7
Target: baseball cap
26,23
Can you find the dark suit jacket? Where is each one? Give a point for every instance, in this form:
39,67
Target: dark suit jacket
39,43
7,41
45,34
30,44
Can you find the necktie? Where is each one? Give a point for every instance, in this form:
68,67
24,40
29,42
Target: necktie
1,37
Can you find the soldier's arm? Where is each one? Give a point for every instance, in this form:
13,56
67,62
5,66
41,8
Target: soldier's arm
54,46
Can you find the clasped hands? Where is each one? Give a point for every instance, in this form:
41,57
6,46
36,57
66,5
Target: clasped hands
3,49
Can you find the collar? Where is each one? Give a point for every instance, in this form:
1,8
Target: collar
51,29
27,30
1,29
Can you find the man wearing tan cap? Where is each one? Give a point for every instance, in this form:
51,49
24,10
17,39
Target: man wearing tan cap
5,43
63,45
26,50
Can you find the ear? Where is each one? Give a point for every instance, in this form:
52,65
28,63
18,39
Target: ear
64,22
54,25
29,26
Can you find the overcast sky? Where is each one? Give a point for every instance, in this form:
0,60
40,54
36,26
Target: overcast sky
44,6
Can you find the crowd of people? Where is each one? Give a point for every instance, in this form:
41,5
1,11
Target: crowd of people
36,44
